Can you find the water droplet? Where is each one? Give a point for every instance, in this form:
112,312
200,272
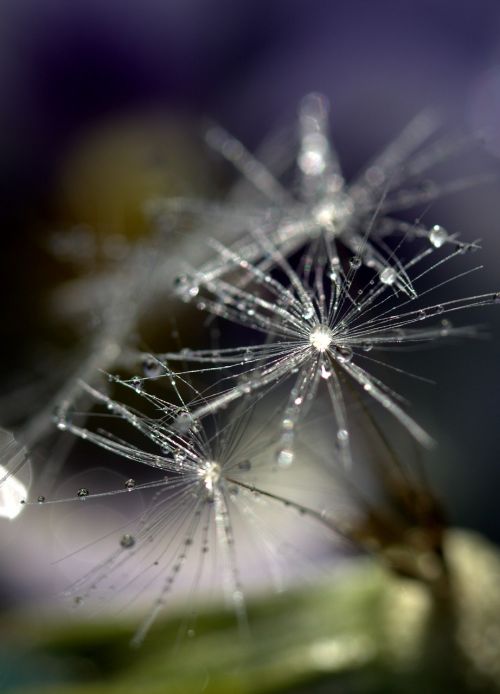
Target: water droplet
312,161
298,401
355,262
388,276
127,541
185,288
151,367
287,424
367,348
344,354
179,458
61,418
285,457
83,493
308,312
136,384
342,436
496,297
325,373
438,236
41,499
439,309
422,314
130,484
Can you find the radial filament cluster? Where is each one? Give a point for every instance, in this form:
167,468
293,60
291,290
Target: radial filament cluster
309,285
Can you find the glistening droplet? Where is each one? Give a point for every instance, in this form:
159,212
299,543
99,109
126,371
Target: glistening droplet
127,541
388,276
438,236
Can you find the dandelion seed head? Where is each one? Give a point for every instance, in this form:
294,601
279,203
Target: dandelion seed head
210,474
321,338
331,212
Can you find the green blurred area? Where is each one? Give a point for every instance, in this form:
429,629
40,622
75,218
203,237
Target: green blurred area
365,632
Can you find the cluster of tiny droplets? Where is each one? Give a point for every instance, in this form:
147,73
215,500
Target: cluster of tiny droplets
354,291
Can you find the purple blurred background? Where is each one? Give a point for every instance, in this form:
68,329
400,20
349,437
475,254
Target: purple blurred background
66,67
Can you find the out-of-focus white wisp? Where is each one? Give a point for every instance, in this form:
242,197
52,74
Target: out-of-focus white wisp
12,491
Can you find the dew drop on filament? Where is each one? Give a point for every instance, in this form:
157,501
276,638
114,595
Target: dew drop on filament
127,541
344,354
438,236
342,437
325,373
388,276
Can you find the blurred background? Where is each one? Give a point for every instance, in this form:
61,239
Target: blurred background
102,105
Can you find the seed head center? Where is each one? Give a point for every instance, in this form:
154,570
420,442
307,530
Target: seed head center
210,474
321,337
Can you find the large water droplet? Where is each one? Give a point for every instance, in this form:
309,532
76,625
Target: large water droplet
136,384
82,493
388,276
438,236
151,367
130,484
355,262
